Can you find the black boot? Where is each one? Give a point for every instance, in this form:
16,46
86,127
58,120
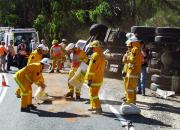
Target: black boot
97,111
144,93
78,96
32,107
26,109
91,109
69,94
139,92
52,71
17,95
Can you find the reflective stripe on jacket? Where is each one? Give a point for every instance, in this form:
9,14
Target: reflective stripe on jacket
31,74
56,50
95,71
77,57
134,61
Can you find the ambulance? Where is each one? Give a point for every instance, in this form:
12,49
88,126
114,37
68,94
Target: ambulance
17,34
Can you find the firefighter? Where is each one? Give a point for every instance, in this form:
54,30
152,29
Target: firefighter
133,61
77,56
55,54
94,76
35,57
63,54
124,70
25,77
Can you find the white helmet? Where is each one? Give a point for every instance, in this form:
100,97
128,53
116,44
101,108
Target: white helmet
129,35
80,44
42,46
131,40
46,61
70,46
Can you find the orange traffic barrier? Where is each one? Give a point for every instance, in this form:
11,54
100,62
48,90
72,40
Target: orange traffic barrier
3,81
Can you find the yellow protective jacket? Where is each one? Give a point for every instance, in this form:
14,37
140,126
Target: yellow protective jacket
34,57
95,71
78,57
30,74
134,60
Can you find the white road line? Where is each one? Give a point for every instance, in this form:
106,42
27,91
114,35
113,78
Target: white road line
3,90
123,121
3,94
0,90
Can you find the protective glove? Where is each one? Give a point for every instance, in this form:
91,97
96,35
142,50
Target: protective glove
89,82
43,86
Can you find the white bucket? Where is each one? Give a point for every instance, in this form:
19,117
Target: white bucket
78,79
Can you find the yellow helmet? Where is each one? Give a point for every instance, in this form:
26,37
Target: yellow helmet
54,41
95,43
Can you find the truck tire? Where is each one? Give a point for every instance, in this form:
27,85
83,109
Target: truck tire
143,30
119,37
154,87
97,28
161,79
168,31
146,38
155,63
167,39
155,55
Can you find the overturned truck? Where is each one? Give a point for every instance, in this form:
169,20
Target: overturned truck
164,59
113,43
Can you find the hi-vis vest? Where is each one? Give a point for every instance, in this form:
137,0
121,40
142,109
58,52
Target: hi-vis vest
77,57
56,50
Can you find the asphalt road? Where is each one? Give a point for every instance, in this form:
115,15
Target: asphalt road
61,114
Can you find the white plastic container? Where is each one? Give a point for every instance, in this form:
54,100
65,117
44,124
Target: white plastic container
78,79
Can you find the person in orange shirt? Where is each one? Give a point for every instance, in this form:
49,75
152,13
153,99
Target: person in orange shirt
3,53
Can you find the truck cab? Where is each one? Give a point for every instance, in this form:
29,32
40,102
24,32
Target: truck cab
114,47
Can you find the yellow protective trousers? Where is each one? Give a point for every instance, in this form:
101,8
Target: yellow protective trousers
56,61
61,64
18,91
71,88
130,83
94,98
26,93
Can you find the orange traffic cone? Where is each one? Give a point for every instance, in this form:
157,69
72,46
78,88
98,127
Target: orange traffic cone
3,81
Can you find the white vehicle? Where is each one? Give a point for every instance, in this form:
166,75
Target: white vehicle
18,34
2,32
